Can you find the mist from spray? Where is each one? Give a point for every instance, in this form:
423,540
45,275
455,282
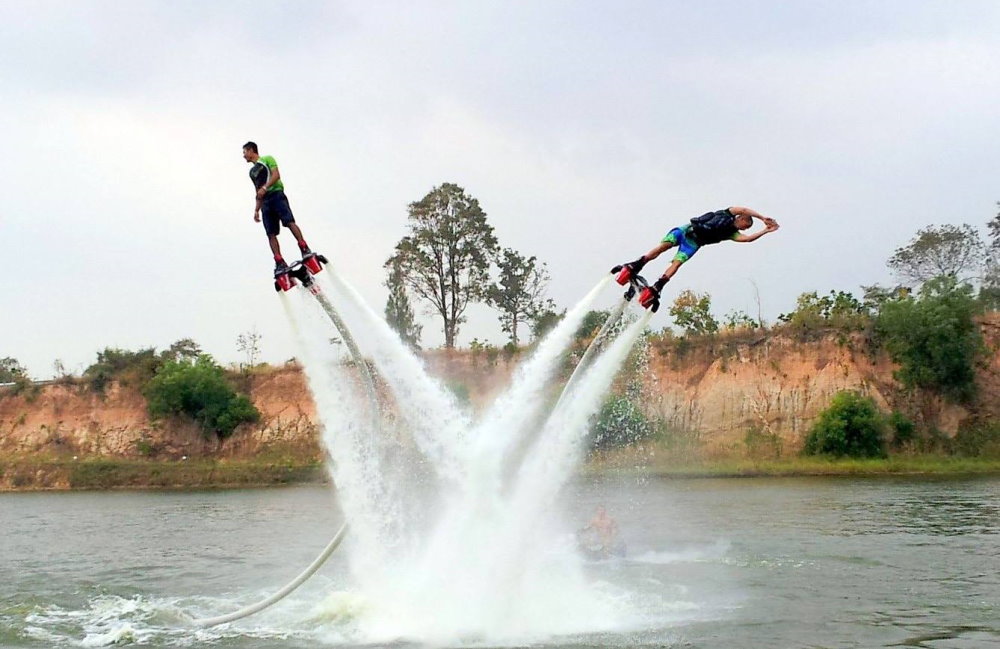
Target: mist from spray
346,430
448,549
437,423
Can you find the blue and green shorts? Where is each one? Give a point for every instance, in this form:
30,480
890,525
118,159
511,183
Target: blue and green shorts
681,237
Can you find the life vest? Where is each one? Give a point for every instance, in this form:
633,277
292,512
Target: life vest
259,174
713,227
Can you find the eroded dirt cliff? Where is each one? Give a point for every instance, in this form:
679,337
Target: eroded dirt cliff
717,389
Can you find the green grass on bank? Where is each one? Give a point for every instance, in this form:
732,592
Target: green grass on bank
31,473
637,462
55,472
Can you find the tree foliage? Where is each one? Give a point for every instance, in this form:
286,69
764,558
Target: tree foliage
991,280
545,321
875,297
519,293
446,256
128,367
185,349
692,312
838,310
851,426
620,423
590,325
200,391
398,311
11,371
739,319
936,251
978,439
135,368
934,338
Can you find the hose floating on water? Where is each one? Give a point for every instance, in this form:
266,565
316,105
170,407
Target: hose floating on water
335,542
288,588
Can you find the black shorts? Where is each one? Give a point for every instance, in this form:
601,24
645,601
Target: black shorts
276,212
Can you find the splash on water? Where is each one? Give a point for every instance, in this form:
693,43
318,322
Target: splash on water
482,555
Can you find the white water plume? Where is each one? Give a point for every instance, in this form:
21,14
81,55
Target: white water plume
437,423
346,429
560,444
514,410
475,560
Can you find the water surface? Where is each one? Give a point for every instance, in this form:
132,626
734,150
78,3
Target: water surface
772,563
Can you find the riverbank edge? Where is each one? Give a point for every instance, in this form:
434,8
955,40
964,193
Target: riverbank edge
634,463
89,474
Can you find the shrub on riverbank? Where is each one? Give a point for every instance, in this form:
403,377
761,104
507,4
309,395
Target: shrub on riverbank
852,426
620,423
979,439
199,390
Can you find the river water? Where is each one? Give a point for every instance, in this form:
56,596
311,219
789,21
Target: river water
796,562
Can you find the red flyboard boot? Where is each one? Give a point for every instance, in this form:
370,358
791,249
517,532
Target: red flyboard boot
648,297
284,282
627,272
312,262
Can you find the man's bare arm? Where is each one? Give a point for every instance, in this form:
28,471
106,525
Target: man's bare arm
736,210
770,225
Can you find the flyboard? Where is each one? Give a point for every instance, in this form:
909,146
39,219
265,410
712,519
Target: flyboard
303,272
649,298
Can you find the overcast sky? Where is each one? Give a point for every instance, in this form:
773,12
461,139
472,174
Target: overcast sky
585,129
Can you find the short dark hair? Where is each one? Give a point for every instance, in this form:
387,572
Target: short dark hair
252,146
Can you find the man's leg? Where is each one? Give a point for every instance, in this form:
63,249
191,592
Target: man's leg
659,250
288,220
297,233
636,266
672,268
298,236
685,249
272,228
668,242
272,240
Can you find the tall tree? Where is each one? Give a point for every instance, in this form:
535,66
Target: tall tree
991,279
936,251
446,256
398,312
519,293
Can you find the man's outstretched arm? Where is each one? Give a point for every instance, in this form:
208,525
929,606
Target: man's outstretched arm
770,225
736,210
